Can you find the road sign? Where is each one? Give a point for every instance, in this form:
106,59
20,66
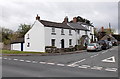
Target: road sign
110,59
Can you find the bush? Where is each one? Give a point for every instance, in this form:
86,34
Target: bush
80,47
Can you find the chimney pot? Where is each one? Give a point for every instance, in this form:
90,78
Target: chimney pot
37,17
65,20
74,20
102,29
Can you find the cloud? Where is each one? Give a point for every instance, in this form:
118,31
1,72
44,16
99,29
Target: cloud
19,12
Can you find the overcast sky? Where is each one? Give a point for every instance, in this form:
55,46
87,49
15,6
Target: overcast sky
16,12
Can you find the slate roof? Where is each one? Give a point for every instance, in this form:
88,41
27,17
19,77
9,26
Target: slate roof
18,40
77,26
55,24
108,36
85,24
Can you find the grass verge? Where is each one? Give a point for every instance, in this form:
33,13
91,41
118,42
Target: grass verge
18,52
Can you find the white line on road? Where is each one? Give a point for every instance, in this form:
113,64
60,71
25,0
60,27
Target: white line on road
5,58
34,62
0,57
21,60
111,69
84,66
77,62
42,62
96,68
72,65
104,51
51,63
15,59
60,64
28,61
94,55
9,58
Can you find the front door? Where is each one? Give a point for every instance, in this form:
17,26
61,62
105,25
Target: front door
21,46
62,43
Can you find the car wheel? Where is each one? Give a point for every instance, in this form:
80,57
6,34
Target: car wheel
88,51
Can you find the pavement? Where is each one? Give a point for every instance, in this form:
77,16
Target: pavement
87,64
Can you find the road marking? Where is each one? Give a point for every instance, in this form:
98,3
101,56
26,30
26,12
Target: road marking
15,59
84,66
0,57
110,59
51,63
34,62
76,62
42,62
28,61
96,68
73,65
111,69
21,60
4,58
104,51
60,64
9,58
94,55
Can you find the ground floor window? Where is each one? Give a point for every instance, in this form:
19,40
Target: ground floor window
78,42
70,42
52,42
28,44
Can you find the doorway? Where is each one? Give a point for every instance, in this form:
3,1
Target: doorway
62,43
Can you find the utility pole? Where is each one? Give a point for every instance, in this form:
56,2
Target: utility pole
110,27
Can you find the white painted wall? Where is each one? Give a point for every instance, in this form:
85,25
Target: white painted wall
58,37
36,38
16,46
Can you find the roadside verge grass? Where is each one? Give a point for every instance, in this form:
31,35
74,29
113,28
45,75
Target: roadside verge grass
19,52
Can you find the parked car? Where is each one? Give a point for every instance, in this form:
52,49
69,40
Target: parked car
104,44
115,42
93,47
110,44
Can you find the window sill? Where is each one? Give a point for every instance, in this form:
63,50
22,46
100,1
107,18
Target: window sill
53,33
62,34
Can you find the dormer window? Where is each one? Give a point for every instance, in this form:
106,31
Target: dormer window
62,32
53,31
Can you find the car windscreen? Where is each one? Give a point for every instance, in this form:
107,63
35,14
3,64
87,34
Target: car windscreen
91,44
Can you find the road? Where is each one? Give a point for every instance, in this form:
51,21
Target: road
87,64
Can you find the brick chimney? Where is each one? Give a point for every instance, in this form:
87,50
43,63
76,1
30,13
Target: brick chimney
74,20
102,29
65,20
37,17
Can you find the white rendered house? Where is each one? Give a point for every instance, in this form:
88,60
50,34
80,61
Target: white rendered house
46,33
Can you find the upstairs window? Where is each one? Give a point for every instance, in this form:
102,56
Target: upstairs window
70,32
28,36
53,31
78,31
62,32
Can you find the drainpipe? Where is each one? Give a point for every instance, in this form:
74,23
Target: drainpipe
76,35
